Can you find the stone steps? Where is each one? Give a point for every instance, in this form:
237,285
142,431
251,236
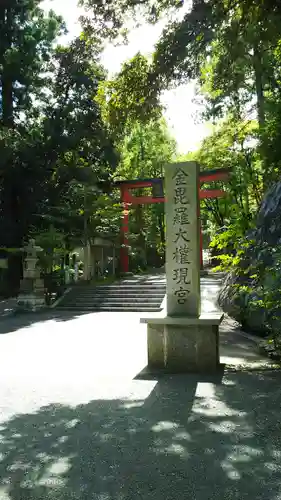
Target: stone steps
102,290
120,307
120,291
134,295
115,300
117,292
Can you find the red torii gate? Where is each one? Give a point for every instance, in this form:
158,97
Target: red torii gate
127,199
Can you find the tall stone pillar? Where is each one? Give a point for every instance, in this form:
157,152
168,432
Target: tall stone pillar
182,239
184,339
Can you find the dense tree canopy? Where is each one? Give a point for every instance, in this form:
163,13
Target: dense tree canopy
132,96
232,49
54,142
67,131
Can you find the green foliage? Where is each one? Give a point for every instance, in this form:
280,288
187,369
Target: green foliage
231,145
109,18
233,50
26,39
229,248
144,152
183,45
52,243
263,293
132,96
54,142
67,131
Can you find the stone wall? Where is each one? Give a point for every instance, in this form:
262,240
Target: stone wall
262,253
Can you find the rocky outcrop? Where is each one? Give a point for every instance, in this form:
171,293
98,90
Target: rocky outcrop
259,268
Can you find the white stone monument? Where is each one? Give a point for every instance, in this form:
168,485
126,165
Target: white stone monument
182,339
32,292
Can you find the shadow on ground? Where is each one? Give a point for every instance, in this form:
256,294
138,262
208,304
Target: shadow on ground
187,439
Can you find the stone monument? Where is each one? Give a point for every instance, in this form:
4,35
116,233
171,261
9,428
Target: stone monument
181,338
32,292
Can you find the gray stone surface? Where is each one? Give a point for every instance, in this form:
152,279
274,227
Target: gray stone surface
191,348
185,348
177,345
32,292
203,320
155,346
182,239
79,423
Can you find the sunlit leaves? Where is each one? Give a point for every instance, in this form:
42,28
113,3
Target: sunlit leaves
110,17
144,151
131,96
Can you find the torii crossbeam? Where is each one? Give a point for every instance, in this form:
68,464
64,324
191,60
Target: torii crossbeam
128,199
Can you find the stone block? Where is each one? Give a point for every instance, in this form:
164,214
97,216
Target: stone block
184,344
155,346
191,348
39,285
31,274
26,285
30,302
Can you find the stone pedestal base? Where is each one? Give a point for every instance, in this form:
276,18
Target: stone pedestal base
31,274
155,346
31,297
182,345
30,302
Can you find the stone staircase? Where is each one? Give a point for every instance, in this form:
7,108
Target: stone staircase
140,294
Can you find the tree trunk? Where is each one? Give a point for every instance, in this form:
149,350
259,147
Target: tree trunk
258,70
161,224
7,101
6,17
141,242
12,229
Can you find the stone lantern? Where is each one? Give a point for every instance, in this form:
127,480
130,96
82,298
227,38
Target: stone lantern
32,292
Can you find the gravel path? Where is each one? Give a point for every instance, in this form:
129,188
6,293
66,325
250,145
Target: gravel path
78,422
